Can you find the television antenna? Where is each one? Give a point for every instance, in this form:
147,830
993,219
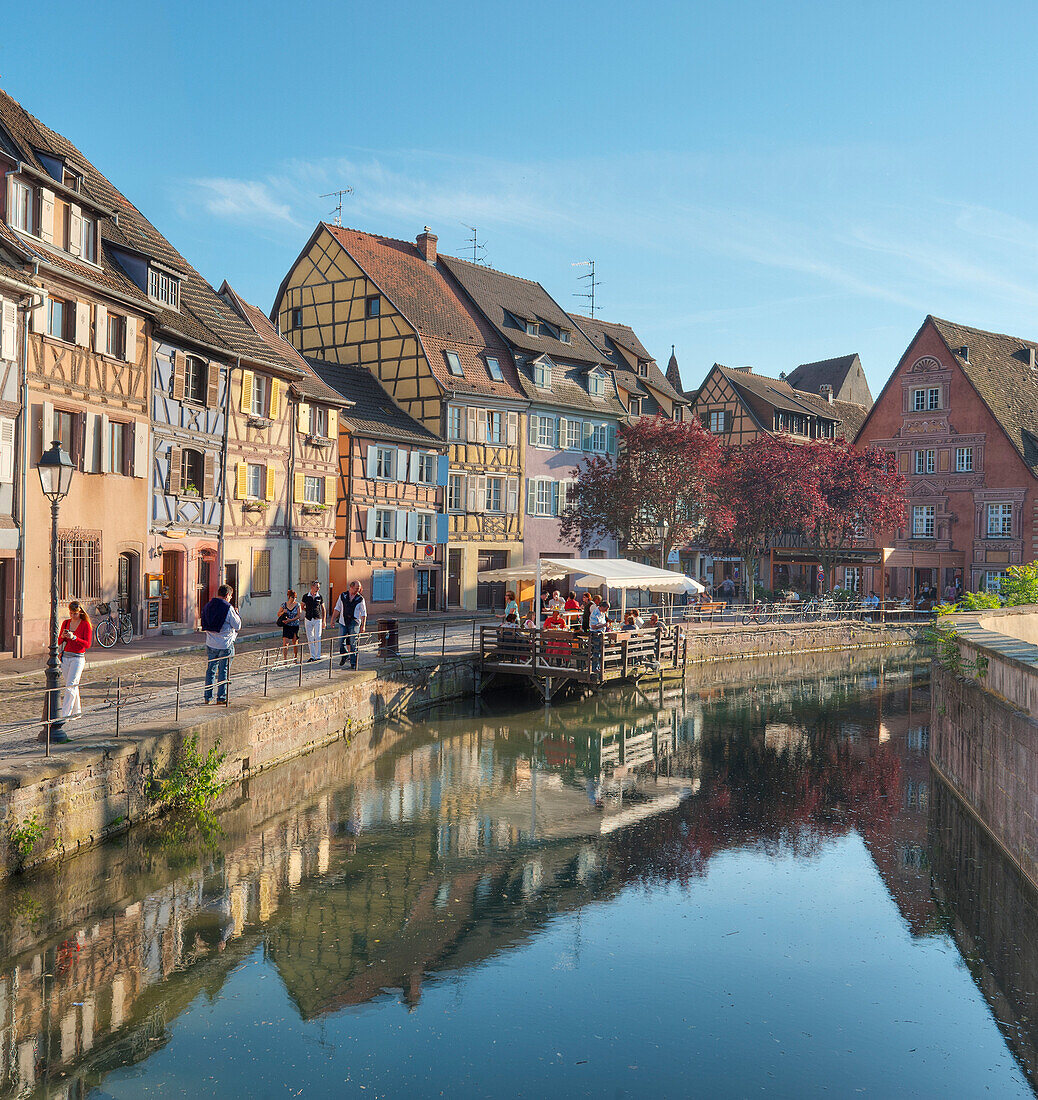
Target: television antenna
338,205
591,282
479,248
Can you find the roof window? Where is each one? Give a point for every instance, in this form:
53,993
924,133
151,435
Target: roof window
494,368
454,363
163,287
564,335
596,384
542,373
533,328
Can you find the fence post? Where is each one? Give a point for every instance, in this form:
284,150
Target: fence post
118,700
473,642
300,673
443,640
414,650
266,670
176,710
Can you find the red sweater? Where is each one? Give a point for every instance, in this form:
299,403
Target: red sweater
84,637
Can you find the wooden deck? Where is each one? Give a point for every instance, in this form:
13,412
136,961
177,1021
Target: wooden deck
551,659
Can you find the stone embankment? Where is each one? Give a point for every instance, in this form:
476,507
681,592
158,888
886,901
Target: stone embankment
984,735
728,641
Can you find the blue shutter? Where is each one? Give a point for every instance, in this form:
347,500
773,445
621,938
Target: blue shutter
441,529
442,468
611,439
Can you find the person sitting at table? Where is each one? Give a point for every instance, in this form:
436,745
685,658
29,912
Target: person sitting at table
630,623
555,647
556,603
572,608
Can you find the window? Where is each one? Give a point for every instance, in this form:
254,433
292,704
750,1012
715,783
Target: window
22,207
544,431
643,370
383,583
261,572
495,426
574,435
383,524
313,489
196,380
542,374
599,438
258,404
564,335
79,565
318,422
70,179
118,451
372,306
423,527
454,422
635,406
295,317
255,481
495,494
456,493
596,384
65,425
494,369
6,450
88,239
532,328
1000,521
163,287
924,400
923,521
115,341
925,461
192,471
60,316
717,421
963,460
426,472
454,364
385,463
543,495
307,566
993,580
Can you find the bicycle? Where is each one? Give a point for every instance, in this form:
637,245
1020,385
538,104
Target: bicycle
113,628
759,613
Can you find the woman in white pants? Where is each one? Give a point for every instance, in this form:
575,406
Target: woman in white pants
76,636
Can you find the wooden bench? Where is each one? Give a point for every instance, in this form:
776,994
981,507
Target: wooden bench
696,613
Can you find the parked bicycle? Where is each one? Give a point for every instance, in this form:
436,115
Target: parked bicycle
759,613
114,627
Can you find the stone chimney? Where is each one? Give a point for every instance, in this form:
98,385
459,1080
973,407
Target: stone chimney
426,243
826,392
1031,358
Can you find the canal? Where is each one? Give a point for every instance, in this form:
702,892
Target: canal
748,883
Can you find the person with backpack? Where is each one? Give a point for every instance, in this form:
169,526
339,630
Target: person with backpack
351,612
221,624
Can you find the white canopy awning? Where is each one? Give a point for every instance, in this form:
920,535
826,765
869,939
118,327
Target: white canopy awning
618,573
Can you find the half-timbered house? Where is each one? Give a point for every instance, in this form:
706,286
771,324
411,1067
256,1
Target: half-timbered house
388,306
391,525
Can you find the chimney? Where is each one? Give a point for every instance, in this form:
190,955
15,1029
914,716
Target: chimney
1032,358
426,242
826,392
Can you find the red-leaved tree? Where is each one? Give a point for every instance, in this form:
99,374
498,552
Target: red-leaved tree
662,479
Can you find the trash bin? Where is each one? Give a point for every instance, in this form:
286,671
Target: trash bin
388,638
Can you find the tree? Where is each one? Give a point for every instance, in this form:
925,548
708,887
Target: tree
847,492
761,491
662,479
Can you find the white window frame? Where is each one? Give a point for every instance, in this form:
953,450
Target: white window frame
88,238
918,400
1000,520
543,496
454,363
455,492
546,434
494,368
163,287
717,421
596,384
495,420
933,398
423,527
599,438
255,471
574,440
313,489
385,520
66,306
924,521
926,461
22,201
115,336
455,421
318,422
541,372
115,446
425,471
385,464
494,501
964,460
993,579
258,396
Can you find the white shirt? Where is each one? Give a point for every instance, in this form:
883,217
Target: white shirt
598,619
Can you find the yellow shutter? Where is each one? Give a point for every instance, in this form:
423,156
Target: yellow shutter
330,491
333,424
275,398
270,483
246,391
241,475
303,418
300,488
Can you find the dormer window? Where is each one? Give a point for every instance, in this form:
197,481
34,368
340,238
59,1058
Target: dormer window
164,288
88,238
643,370
533,328
22,208
70,179
454,364
542,374
494,369
564,335
596,384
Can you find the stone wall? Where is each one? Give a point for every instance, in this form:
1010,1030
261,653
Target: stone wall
100,786
729,641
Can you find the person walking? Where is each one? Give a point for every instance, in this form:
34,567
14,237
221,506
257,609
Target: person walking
313,609
511,606
76,637
288,620
352,614
221,624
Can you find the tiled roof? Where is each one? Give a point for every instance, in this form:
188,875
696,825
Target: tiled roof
501,297
373,412
604,333
203,317
760,390
843,374
999,371
673,374
852,416
431,302
569,390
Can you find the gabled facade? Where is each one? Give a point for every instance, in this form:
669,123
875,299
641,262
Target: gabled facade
574,408
960,412
391,526
388,306
841,378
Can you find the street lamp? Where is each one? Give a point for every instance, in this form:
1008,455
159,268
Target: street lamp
662,530
55,469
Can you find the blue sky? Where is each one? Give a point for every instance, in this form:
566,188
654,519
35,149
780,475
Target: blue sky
759,183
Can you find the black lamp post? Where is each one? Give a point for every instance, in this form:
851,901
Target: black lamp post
56,470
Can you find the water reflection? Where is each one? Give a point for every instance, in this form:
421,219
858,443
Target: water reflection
477,835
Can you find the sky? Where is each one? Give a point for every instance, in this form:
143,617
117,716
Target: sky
759,184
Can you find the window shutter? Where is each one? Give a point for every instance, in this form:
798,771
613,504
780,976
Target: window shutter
470,416
902,461
401,464
130,351
442,470
212,385
140,448
481,425
369,523
729,420
246,391
473,493
412,472
100,328
400,526
275,398
47,215
46,425
303,418
83,324
209,475
8,330
174,479
441,528
39,314
269,494
333,424
512,438
6,450
179,375
299,488
241,480
91,453
75,229
611,439
372,460
79,423
561,440
411,529
589,431
531,492
512,504
556,497
330,490
531,429
106,443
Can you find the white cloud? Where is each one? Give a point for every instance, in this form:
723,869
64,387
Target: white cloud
240,200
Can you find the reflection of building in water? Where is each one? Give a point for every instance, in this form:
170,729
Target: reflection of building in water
785,737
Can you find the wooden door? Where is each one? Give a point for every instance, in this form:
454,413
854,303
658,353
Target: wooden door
426,590
171,581
454,578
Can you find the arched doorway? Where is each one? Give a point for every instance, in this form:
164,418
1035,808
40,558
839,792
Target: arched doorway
129,586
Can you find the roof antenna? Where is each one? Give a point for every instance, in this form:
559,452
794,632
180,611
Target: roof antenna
338,207
479,248
591,281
